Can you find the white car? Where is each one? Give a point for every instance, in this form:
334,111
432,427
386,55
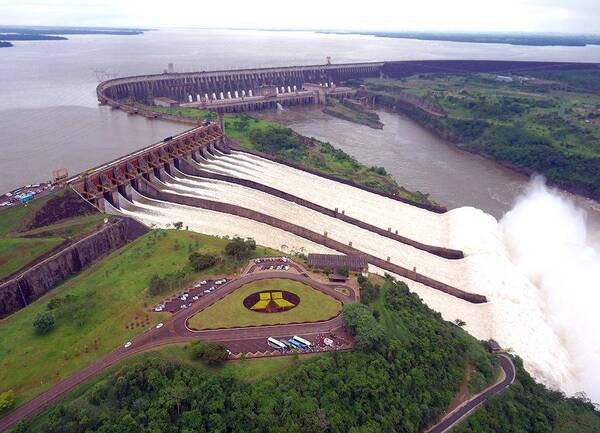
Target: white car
183,306
207,291
160,325
126,345
203,282
195,298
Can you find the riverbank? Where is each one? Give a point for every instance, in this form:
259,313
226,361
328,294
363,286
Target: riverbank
353,111
534,124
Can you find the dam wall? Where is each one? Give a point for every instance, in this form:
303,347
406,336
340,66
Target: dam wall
36,281
192,86
147,189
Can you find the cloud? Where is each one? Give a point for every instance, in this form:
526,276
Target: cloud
459,15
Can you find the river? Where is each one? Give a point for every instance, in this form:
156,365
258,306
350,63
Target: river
421,161
49,116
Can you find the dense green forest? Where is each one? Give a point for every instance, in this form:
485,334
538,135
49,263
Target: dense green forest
545,122
401,379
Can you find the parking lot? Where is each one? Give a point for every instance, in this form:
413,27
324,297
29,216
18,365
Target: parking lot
187,297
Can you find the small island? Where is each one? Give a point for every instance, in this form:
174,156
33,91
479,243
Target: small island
17,33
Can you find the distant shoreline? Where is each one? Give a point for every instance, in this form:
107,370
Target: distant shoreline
16,33
537,40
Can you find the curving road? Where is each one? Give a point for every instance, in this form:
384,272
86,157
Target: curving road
175,330
464,410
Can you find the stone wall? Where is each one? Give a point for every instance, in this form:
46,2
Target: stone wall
39,279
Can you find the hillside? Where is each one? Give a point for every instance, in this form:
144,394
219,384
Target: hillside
407,371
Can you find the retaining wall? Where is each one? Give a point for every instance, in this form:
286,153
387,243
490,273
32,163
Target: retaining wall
39,279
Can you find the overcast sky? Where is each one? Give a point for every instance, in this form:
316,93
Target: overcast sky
573,16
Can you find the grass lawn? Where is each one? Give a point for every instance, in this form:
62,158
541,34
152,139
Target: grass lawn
247,370
230,312
20,245
104,302
17,252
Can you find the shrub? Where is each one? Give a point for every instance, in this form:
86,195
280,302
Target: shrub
343,271
44,323
368,333
199,262
212,353
240,248
7,400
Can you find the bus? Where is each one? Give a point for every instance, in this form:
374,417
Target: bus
295,344
276,344
302,341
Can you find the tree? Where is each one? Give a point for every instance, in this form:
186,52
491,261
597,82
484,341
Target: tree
44,322
156,285
202,261
178,225
240,248
343,271
212,353
7,400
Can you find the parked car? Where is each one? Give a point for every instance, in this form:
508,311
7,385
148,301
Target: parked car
160,325
126,345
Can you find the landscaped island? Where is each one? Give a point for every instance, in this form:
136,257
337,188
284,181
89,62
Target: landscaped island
545,122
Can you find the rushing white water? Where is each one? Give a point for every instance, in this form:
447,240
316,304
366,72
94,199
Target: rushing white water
534,266
546,237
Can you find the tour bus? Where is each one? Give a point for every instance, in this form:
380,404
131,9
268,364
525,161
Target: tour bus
302,341
276,343
295,344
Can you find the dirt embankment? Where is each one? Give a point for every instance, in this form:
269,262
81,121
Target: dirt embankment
39,279
60,207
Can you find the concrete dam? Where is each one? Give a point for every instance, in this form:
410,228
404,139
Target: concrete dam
255,89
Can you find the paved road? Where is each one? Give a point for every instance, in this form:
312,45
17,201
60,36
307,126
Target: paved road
461,412
175,330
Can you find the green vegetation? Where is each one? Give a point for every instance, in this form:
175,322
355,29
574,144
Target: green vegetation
368,334
527,406
200,262
7,400
99,309
212,353
352,111
240,249
230,312
27,232
44,323
546,122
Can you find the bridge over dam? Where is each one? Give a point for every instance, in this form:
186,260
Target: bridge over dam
255,89
200,179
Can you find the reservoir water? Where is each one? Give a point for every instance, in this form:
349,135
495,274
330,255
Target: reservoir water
49,117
